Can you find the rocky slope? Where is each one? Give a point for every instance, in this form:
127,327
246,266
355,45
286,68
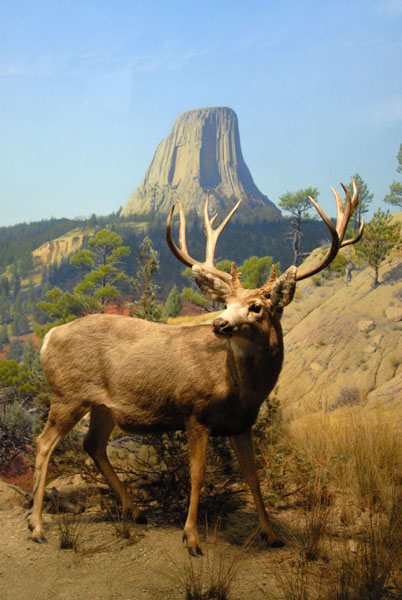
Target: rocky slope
56,250
343,344
202,152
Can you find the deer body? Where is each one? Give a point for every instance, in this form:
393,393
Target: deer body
105,360
149,377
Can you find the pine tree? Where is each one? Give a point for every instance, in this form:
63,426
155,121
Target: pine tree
146,306
395,189
380,237
173,304
298,205
101,261
365,198
4,339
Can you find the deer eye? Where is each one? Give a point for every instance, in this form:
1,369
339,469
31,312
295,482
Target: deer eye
255,308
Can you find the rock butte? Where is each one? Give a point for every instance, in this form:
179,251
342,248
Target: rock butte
202,152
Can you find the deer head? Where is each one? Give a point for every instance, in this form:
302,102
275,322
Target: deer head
246,309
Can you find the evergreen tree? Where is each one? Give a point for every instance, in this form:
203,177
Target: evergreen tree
98,285
380,236
365,198
254,271
30,356
194,297
298,205
59,308
15,351
173,304
4,339
20,324
15,282
146,306
395,189
4,286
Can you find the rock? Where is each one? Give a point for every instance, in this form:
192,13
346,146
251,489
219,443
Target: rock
202,152
369,349
394,313
10,497
365,325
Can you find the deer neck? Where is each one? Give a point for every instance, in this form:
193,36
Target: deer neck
255,364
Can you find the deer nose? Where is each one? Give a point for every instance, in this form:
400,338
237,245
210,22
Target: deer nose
220,325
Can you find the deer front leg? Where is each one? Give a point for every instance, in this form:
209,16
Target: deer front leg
243,447
197,436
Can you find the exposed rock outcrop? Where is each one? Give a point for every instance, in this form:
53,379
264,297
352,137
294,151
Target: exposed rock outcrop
54,251
201,153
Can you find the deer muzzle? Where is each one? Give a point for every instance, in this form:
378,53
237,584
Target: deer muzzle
222,327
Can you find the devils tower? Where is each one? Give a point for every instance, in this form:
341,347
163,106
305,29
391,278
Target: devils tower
201,153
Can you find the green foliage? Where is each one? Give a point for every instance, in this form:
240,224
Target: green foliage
365,198
95,289
395,189
191,295
173,304
254,271
60,308
146,306
298,205
9,373
98,285
4,339
15,422
15,351
380,236
4,286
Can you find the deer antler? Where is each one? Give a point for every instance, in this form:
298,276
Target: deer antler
212,238
343,214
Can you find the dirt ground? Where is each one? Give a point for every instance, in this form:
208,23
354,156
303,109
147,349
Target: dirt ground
149,565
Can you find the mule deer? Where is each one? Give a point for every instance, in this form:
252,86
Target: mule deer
150,377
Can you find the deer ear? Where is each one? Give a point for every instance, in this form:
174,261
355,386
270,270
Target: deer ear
210,284
284,288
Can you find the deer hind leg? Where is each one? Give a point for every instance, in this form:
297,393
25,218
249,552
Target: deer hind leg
197,442
100,428
243,447
59,423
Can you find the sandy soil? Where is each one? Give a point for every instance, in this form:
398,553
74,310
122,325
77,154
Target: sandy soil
149,565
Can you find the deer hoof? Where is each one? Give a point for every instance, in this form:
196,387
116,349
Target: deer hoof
195,551
275,543
278,544
140,519
39,539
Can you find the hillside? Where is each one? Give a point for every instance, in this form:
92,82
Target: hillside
343,344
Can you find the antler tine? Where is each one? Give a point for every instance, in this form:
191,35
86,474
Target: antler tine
339,208
353,203
357,237
180,253
338,232
355,197
342,214
236,281
333,250
213,234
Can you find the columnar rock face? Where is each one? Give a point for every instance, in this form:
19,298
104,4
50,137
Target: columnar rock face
202,153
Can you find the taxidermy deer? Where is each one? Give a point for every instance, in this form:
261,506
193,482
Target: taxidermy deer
151,377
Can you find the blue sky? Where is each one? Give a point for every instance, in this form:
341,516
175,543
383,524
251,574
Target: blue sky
88,88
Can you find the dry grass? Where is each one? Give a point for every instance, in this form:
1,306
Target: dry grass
211,576
353,509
